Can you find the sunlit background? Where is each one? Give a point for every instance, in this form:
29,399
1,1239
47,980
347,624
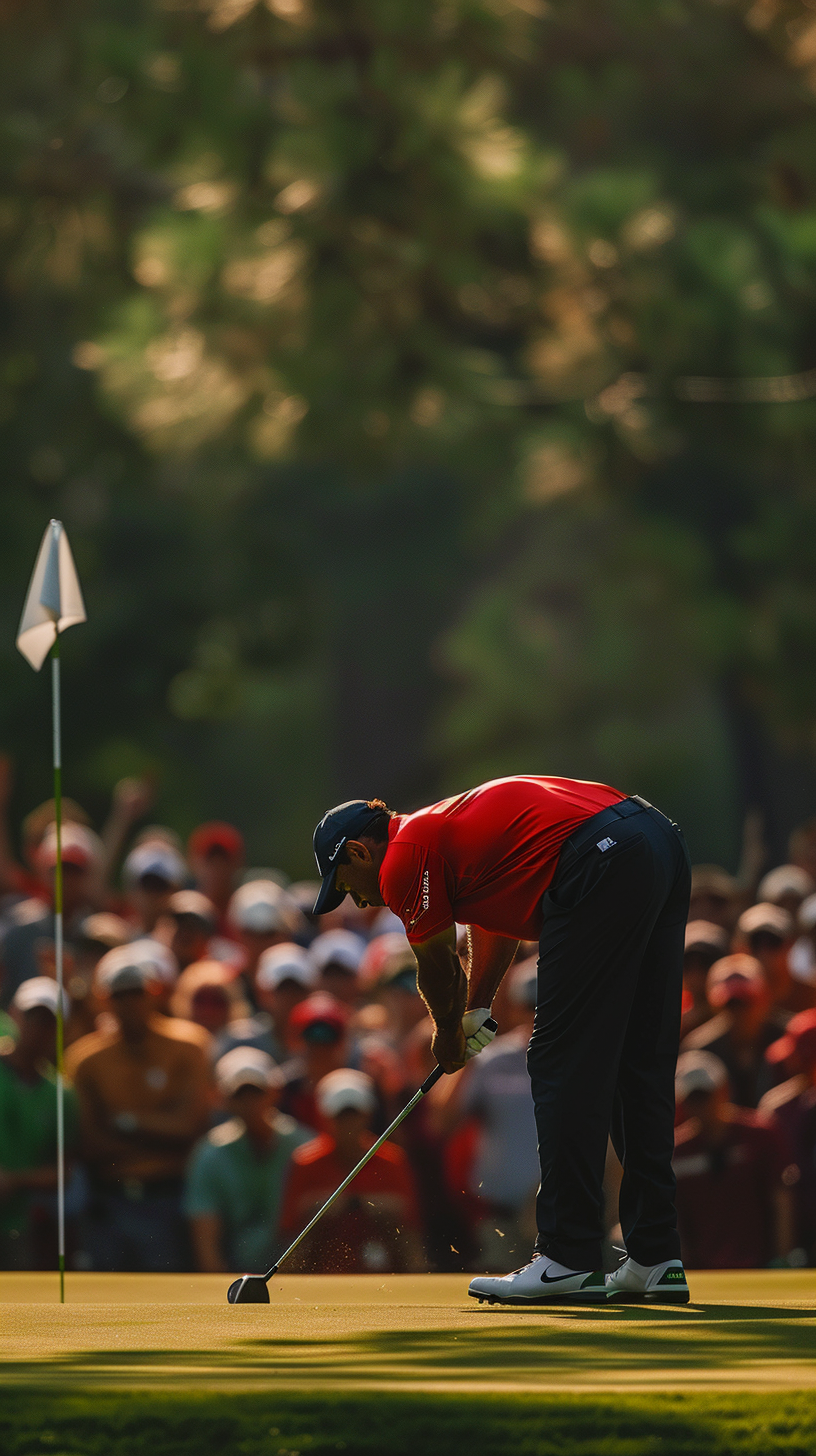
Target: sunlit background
427,388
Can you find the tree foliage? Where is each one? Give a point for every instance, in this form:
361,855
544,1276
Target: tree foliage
426,385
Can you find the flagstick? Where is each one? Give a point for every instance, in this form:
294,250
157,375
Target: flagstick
55,694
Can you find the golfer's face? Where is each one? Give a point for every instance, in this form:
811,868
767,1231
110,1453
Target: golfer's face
359,879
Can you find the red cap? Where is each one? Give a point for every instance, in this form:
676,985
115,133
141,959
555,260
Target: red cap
216,835
319,1007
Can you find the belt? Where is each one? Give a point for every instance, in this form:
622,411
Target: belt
591,828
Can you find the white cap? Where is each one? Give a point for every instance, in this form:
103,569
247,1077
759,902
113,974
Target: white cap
343,1090
246,1066
338,948
38,991
523,982
121,970
263,907
286,962
157,959
158,858
807,913
79,846
699,1072
786,879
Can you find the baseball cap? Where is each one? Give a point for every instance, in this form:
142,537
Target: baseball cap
344,822
320,1019
216,835
698,1072
156,858
286,962
246,1066
261,907
337,948
785,880
705,938
345,1090
102,928
38,991
389,959
156,959
120,970
766,919
807,913
80,846
735,978
192,905
523,982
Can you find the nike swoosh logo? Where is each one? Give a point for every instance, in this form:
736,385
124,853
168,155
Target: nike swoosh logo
559,1278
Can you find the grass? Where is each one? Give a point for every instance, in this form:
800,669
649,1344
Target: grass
281,1424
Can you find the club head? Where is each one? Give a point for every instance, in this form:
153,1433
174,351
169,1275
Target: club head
249,1289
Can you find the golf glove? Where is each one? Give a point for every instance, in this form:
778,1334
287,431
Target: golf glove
479,1028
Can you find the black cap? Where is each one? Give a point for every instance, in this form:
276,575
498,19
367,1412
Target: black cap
346,821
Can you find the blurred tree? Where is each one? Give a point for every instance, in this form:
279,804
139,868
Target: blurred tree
363,343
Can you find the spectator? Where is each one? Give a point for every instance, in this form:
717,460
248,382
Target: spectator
787,886
766,932
262,915
284,978
389,970
161,969
743,1028
143,1100
374,1225
32,921
318,1027
495,1090
28,1129
236,1175
705,944
791,1106
715,896
187,926
216,854
207,994
96,935
336,956
153,871
734,1203
803,951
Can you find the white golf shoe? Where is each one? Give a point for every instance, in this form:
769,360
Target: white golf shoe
634,1283
542,1281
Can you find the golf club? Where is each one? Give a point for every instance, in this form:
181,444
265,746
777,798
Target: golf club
252,1288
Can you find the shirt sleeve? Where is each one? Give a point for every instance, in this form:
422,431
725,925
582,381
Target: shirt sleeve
414,885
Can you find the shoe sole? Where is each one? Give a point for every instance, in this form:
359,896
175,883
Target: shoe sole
673,1296
576,1296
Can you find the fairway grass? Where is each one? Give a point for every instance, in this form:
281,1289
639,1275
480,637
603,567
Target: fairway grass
138,1365
280,1424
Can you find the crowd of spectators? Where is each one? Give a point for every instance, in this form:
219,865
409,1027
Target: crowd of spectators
228,1060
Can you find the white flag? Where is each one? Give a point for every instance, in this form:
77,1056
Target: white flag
54,599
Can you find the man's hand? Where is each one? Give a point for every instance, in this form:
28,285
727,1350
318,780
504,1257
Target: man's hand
449,1046
479,1028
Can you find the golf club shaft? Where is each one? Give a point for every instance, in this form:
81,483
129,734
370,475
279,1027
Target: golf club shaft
409,1107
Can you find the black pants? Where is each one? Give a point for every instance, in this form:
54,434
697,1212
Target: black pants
607,1027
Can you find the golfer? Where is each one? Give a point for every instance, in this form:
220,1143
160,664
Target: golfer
602,882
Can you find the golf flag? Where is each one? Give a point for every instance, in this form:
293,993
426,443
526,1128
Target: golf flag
54,599
54,602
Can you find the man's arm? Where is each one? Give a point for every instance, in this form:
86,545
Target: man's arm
489,958
443,986
205,1230
448,992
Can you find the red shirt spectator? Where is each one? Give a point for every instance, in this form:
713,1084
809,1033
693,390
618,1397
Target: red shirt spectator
725,1206
373,1226
485,857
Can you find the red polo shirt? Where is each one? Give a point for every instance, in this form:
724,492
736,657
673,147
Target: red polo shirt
485,857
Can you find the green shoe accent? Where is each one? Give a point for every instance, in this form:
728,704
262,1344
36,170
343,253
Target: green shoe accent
595,1281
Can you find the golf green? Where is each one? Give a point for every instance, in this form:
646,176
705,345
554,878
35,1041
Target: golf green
403,1364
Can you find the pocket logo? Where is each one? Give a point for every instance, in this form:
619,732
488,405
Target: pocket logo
604,844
